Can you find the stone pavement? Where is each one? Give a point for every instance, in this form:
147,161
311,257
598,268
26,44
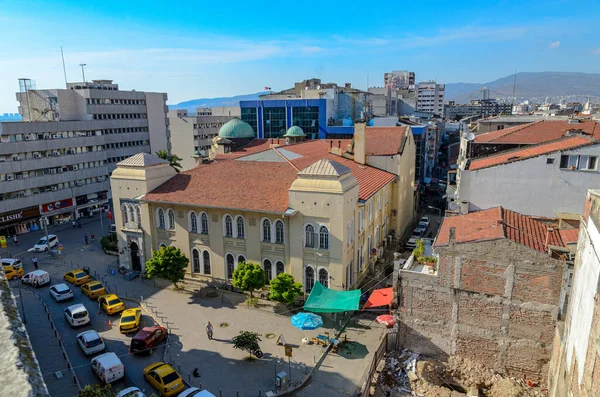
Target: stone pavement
43,339
221,367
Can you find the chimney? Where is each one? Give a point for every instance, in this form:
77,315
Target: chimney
499,222
360,144
548,232
452,236
348,85
340,144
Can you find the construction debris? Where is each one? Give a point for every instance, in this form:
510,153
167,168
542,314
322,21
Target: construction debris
405,373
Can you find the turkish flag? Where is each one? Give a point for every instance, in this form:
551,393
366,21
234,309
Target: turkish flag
110,215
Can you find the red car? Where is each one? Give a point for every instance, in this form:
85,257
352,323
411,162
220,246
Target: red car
147,339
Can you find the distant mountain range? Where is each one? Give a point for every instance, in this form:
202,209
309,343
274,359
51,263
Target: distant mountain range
193,104
536,87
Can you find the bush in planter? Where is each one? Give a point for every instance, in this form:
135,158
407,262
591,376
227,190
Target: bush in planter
109,243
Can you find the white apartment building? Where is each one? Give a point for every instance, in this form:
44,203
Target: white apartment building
430,97
399,80
57,161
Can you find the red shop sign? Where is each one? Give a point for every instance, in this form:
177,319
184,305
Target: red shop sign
57,205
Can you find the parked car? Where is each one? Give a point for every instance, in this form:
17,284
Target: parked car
93,289
425,220
90,342
164,379
108,367
13,268
130,320
77,315
411,243
147,339
416,234
111,304
37,278
195,392
421,228
77,277
44,245
61,292
131,392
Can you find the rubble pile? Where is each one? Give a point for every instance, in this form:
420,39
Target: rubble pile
408,374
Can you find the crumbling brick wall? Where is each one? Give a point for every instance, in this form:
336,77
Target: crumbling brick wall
495,302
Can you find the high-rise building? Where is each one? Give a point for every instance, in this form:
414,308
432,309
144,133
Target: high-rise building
57,160
430,97
399,80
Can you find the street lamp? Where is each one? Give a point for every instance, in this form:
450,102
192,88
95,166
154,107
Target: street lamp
437,209
44,221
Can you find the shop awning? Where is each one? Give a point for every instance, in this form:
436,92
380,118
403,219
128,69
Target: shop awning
325,300
380,297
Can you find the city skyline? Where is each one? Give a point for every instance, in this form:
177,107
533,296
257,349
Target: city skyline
238,50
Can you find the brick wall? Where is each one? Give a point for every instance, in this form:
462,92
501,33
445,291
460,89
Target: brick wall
494,302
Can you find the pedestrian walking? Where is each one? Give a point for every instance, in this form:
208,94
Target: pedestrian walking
209,330
85,237
35,262
93,237
73,223
79,223
15,240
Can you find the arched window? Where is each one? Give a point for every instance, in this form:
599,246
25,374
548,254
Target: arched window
228,226
193,223
268,266
230,265
324,277
138,216
309,278
324,238
240,227
279,268
162,245
131,214
171,219
309,236
204,223
124,213
279,239
161,219
206,260
241,259
195,261
266,231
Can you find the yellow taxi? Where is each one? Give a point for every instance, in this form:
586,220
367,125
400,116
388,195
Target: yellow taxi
111,304
130,320
77,277
93,289
13,268
164,379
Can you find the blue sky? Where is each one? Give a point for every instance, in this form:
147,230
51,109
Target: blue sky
206,49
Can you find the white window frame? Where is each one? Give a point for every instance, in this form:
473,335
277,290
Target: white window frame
235,224
268,280
361,219
315,244
318,276
161,224
263,237
191,216
328,237
204,215
199,261
204,263
225,226
277,239
171,225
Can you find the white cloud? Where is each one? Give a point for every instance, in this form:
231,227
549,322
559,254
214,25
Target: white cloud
555,44
595,51
312,49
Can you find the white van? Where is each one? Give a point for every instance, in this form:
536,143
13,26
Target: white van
77,315
37,278
108,367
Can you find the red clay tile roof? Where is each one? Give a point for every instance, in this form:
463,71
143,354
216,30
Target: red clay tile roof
222,183
569,236
538,132
529,152
497,223
384,141
255,146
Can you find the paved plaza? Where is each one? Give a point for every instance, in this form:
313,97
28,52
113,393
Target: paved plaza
186,313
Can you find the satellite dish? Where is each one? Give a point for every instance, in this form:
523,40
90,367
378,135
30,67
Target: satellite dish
452,206
470,136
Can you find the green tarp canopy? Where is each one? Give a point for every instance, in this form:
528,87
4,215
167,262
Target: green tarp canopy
325,300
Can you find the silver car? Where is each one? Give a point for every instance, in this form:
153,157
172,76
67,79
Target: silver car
90,342
61,292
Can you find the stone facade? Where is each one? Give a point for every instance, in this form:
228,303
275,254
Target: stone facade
494,302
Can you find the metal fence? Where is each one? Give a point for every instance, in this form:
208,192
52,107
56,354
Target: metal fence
389,343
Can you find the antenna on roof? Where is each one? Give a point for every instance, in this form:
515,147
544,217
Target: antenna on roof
514,89
470,136
63,61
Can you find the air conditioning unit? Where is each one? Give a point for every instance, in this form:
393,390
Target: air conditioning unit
54,188
53,170
16,158
75,167
56,154
54,136
19,176
21,194
79,183
37,156
27,137
60,170
10,177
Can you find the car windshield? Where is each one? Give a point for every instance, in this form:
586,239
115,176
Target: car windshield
128,319
114,302
41,242
172,377
96,287
80,275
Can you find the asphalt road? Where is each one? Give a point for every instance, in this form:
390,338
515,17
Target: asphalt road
113,339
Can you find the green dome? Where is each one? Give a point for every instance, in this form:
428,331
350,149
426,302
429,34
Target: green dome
294,131
236,128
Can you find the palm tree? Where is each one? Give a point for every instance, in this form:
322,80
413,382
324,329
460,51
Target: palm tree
173,159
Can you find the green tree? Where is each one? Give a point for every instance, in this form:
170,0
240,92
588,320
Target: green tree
97,391
247,341
248,277
284,289
173,159
167,263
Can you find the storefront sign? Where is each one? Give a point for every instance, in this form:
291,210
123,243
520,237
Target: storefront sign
18,216
58,205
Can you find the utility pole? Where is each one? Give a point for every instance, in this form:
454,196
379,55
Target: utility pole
82,70
44,221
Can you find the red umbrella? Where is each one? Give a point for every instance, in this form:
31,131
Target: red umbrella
386,319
